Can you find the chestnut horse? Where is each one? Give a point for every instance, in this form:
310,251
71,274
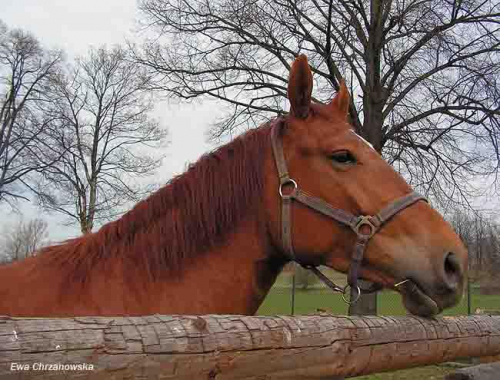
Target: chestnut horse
212,241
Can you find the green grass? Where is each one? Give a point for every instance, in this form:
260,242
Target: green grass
306,302
389,303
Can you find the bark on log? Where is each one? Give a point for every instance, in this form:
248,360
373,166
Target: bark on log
478,372
237,347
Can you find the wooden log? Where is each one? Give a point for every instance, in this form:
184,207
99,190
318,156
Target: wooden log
236,347
478,372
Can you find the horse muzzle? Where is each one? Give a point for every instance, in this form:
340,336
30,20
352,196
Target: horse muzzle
427,297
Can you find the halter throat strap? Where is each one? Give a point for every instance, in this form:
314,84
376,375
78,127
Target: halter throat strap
364,226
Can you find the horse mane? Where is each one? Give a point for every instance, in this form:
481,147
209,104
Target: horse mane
191,214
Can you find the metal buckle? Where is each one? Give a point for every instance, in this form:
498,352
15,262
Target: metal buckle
364,220
349,301
286,182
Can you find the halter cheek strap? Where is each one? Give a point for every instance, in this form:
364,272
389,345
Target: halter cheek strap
364,226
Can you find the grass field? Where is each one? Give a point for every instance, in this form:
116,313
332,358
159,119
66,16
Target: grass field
389,303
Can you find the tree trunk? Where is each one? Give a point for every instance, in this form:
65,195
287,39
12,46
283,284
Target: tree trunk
374,100
236,347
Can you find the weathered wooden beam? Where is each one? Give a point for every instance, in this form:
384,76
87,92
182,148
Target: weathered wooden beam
237,347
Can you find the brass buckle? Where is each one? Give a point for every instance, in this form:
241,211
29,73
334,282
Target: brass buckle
364,220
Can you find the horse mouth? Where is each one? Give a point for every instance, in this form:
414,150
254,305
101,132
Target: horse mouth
416,301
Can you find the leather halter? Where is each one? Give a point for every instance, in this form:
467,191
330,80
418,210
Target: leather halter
359,224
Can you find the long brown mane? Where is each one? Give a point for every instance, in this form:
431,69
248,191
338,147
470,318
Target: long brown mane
193,213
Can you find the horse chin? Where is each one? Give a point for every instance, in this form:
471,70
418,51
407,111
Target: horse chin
417,302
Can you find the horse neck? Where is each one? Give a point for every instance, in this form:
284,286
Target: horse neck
234,278
231,277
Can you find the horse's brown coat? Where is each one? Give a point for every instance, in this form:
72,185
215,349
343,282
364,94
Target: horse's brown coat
209,241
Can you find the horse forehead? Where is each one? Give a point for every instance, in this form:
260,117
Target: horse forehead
362,139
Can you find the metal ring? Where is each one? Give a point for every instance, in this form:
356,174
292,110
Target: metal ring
287,182
364,220
344,292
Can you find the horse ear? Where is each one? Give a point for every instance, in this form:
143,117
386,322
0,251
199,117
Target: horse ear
300,87
342,100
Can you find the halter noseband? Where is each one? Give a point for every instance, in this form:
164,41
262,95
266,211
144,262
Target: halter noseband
357,223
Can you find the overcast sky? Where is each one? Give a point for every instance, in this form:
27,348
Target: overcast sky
74,26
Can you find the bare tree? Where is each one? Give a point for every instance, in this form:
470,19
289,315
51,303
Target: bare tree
462,222
25,69
103,131
423,73
25,239
494,249
481,235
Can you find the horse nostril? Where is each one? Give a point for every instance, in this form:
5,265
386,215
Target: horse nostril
452,271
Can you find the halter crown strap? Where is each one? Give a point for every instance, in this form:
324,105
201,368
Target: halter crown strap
356,223
279,156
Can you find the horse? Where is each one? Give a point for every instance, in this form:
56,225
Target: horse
301,187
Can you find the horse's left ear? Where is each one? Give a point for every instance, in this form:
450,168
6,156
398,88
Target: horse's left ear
342,100
300,86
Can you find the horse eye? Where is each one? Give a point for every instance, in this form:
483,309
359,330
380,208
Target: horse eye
343,157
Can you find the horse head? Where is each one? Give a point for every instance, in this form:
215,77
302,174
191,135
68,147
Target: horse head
345,207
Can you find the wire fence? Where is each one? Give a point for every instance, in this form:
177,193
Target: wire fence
312,296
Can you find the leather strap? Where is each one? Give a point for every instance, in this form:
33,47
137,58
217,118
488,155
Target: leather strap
279,156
